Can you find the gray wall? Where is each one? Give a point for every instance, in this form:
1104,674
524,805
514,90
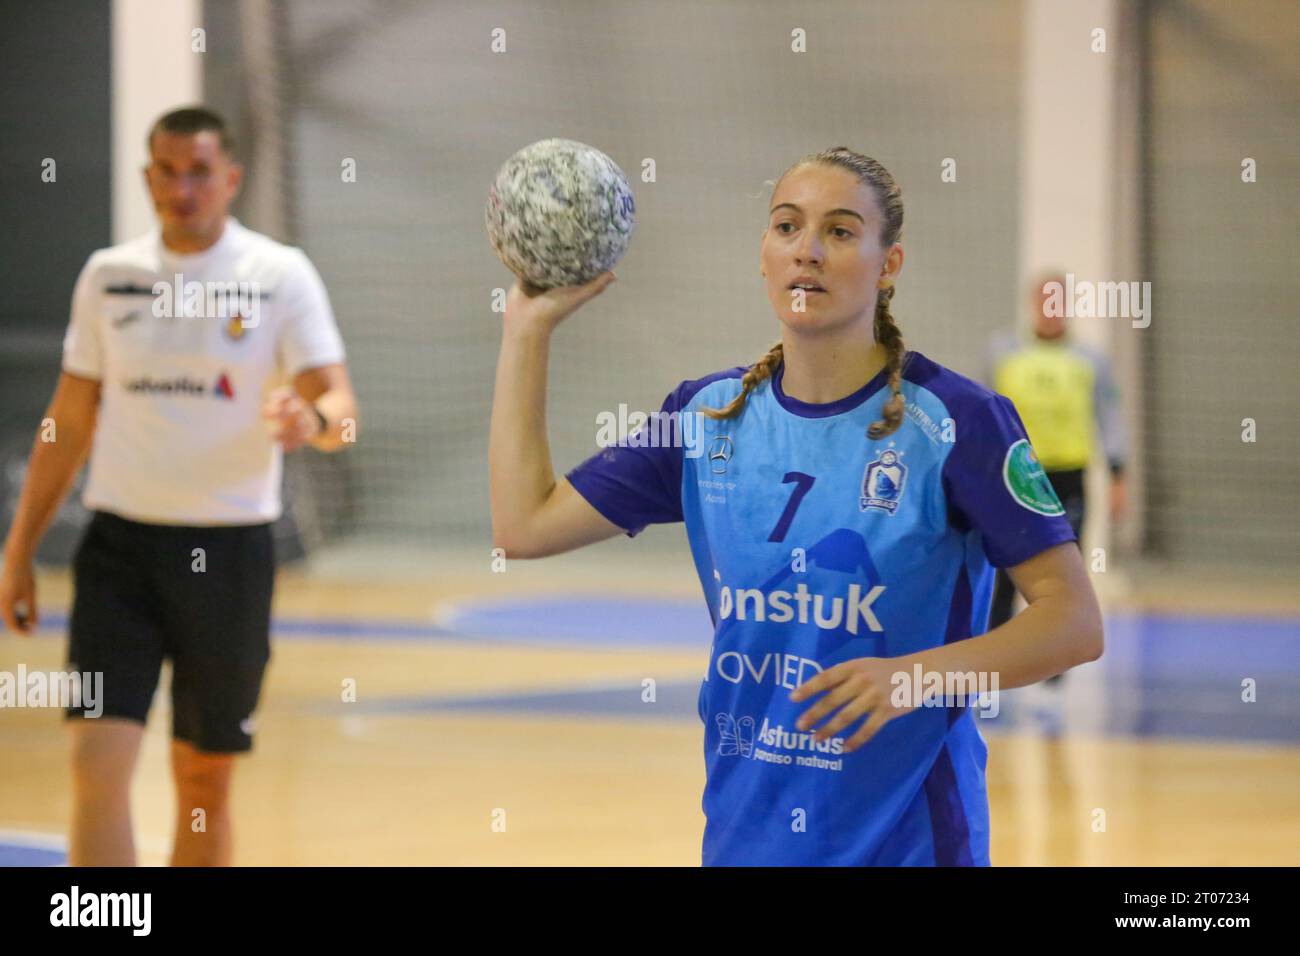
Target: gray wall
713,93
1224,345
54,70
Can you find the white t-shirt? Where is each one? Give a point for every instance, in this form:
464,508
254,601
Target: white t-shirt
180,438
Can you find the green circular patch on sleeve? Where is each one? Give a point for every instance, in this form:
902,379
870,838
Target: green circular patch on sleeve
1027,482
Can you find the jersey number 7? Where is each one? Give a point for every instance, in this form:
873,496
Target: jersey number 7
802,484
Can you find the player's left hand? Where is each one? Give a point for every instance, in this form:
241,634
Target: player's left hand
853,688
293,421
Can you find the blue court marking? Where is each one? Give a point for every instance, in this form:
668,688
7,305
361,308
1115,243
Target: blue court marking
1177,646
593,619
1132,710
673,701
359,629
1170,645
19,849
1165,675
345,628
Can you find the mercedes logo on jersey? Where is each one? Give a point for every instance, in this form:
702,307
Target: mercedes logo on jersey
720,453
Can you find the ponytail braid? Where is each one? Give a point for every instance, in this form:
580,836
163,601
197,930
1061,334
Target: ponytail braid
887,335
758,373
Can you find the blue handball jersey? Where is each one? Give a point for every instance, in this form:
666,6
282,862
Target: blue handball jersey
816,544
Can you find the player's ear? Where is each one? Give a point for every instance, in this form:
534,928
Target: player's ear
893,266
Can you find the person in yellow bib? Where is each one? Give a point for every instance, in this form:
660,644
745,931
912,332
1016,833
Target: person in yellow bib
1067,398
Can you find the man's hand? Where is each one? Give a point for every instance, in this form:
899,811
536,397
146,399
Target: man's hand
18,597
293,419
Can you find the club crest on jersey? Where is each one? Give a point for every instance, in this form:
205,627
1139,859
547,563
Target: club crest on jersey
883,482
236,328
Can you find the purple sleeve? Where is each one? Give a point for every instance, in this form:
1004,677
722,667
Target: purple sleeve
996,486
634,487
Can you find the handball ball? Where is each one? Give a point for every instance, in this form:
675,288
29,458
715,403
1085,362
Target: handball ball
560,213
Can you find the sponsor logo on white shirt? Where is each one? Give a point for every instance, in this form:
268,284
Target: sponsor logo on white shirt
181,385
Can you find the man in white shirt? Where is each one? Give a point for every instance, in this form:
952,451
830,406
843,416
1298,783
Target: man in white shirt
174,366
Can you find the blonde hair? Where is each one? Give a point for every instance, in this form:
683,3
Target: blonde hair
870,173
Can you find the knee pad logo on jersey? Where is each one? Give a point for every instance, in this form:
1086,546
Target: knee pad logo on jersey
883,482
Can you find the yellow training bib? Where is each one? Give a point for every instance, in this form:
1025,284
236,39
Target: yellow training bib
1052,389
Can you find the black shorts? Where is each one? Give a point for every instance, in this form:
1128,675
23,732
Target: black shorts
1069,487
140,598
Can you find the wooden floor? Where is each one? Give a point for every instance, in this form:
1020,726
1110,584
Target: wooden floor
397,778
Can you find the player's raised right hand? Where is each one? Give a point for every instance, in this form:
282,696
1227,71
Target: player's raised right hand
533,309
18,597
